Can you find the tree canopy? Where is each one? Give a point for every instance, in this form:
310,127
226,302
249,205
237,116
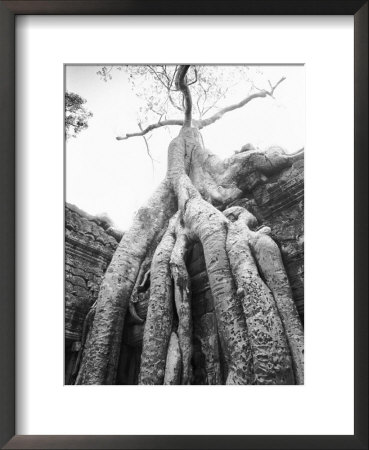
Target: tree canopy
212,91
76,115
258,330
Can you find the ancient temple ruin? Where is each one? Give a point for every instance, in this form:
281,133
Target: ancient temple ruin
277,202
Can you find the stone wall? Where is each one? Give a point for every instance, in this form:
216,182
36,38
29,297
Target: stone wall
277,202
89,247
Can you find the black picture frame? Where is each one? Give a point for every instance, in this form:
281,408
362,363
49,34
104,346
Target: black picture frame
8,11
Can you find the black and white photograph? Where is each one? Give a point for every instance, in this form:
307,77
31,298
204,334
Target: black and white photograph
184,224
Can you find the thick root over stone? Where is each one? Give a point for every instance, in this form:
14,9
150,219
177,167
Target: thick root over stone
270,352
256,319
182,298
159,321
173,364
271,266
101,356
209,226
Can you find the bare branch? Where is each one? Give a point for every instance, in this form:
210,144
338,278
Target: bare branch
205,122
183,87
273,88
173,103
195,80
167,85
147,147
151,127
173,77
159,78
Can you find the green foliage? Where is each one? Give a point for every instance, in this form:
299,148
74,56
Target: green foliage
76,115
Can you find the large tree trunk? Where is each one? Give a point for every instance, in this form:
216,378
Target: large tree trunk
209,226
182,299
270,262
258,326
271,355
101,354
159,319
173,364
259,331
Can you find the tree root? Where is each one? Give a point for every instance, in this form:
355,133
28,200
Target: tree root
100,359
141,285
257,323
206,332
173,363
208,225
85,330
158,326
182,298
269,259
270,352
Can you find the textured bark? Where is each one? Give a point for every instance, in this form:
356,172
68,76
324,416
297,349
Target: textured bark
173,362
100,359
182,298
210,226
206,332
222,181
193,177
270,262
159,319
141,286
87,324
251,333
271,356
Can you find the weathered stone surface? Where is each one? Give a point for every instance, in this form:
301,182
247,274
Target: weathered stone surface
279,204
101,353
88,251
276,201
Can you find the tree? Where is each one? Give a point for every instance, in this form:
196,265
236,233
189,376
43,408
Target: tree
259,328
76,115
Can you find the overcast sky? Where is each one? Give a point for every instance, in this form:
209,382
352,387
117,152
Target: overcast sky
104,175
